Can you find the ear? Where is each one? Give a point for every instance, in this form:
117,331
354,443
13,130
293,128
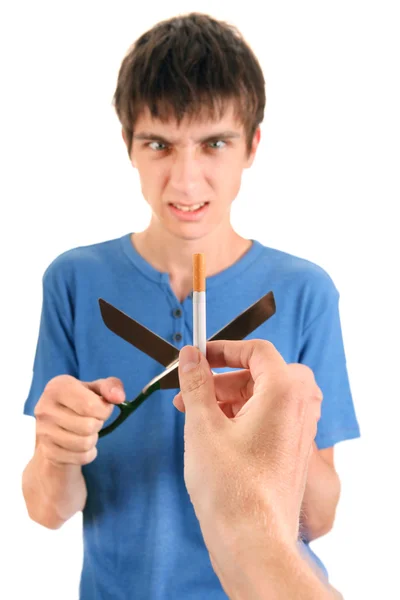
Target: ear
251,156
124,137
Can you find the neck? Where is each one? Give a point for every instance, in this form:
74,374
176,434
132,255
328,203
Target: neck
171,254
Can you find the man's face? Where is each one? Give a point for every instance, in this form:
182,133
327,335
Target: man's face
190,174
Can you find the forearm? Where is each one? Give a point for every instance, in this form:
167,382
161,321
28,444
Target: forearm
256,565
321,497
52,493
280,575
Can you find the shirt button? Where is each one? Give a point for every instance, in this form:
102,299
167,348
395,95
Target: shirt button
177,313
177,337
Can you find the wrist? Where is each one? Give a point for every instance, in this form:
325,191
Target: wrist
242,543
62,485
252,564
269,567
48,467
243,525
255,555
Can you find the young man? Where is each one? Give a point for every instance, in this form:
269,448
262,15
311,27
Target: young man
190,97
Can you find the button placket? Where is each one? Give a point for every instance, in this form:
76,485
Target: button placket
177,313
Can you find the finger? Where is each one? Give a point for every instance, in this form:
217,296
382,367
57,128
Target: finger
58,455
111,389
231,409
66,439
178,402
258,356
67,419
234,387
230,388
78,396
88,404
197,385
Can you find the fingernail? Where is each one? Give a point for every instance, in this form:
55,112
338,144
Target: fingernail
189,358
117,393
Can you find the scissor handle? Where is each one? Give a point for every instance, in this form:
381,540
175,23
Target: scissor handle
127,408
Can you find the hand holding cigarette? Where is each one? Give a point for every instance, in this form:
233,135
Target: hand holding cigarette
248,437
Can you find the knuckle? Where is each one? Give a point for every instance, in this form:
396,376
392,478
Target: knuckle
319,396
303,392
89,442
53,390
56,383
49,451
88,457
107,412
294,395
90,426
298,389
89,406
262,347
301,375
42,428
265,345
257,352
40,409
304,373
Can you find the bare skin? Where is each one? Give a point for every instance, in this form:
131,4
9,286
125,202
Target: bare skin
69,415
248,441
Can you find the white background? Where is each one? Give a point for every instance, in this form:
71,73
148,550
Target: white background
326,182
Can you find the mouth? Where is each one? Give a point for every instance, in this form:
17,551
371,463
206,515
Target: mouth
189,212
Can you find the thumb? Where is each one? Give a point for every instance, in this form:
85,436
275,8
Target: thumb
196,383
111,389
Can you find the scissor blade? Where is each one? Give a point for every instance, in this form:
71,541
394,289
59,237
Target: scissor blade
171,380
237,329
251,318
138,335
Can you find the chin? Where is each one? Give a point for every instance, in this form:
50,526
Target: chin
190,233
190,236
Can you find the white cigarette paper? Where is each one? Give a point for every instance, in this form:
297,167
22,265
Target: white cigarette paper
199,303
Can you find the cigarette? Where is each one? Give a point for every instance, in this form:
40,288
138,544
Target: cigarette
199,303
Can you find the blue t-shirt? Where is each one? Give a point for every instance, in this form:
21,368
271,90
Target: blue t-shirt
142,540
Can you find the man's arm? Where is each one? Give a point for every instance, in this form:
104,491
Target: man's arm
69,415
321,495
272,569
53,493
246,473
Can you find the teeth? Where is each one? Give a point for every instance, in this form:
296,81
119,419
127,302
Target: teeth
189,208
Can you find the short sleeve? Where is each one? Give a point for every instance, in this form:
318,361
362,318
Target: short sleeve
55,352
323,351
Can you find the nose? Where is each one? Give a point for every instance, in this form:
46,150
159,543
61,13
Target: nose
185,173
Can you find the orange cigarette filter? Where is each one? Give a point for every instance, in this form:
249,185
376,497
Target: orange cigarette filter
199,273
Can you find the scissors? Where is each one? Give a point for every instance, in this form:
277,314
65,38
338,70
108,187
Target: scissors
168,355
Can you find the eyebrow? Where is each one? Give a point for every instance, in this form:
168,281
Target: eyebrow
222,135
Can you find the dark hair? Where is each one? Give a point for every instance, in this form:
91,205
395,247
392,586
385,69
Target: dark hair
190,65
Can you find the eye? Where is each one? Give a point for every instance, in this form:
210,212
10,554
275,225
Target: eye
217,144
157,146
